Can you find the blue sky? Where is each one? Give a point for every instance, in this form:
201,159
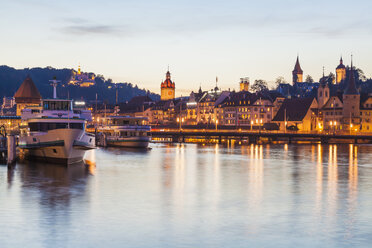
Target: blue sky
135,41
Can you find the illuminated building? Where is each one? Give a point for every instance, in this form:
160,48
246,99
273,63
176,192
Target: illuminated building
340,72
246,109
167,88
244,84
82,79
297,113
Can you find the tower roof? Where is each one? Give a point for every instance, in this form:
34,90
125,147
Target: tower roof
297,67
341,65
27,92
351,87
168,82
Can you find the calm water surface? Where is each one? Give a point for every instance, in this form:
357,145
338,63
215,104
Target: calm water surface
190,195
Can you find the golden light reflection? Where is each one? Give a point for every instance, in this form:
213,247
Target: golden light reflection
319,178
255,192
353,169
332,181
179,168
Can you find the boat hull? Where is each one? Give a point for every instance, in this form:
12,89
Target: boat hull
134,142
57,146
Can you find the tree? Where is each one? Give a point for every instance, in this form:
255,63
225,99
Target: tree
309,79
279,80
331,78
259,85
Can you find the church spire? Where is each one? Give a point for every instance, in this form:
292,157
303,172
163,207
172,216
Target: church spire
351,87
297,72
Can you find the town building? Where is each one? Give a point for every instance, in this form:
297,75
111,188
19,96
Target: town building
298,114
136,106
343,112
206,106
245,109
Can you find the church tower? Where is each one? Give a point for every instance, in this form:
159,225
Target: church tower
323,91
351,102
297,73
244,84
340,72
167,88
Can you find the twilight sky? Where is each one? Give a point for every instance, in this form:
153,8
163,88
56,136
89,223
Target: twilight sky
134,41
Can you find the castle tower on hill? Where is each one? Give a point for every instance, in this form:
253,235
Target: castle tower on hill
340,72
297,73
167,88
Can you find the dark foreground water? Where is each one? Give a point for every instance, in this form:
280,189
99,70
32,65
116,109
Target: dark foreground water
193,196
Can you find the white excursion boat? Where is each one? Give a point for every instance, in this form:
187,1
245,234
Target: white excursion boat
55,132
125,131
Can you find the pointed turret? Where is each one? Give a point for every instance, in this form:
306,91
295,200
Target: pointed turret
27,92
297,72
27,95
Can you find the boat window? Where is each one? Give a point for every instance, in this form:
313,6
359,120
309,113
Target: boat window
45,126
56,105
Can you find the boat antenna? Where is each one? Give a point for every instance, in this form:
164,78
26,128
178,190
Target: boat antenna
54,83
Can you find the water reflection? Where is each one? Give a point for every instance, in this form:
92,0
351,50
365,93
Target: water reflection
194,195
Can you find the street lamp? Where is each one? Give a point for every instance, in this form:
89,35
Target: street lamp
260,124
216,124
179,121
251,125
351,127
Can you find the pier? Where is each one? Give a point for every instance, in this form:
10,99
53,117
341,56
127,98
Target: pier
256,136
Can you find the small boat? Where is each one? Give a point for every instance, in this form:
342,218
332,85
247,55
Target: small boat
125,131
55,132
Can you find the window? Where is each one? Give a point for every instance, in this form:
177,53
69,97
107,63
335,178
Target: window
46,126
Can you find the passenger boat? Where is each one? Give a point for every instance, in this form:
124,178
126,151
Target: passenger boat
125,131
55,132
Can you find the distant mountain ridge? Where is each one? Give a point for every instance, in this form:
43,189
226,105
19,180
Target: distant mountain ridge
11,79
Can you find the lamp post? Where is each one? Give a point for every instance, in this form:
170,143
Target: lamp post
256,121
351,127
260,125
179,120
251,125
216,124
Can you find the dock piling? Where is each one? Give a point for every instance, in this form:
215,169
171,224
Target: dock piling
12,154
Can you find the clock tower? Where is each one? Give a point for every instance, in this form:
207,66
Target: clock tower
167,88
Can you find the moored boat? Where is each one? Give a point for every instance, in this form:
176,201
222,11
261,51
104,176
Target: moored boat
125,131
54,132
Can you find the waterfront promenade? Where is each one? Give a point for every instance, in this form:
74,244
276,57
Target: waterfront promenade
179,135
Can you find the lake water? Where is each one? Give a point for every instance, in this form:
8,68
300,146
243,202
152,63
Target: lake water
190,195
